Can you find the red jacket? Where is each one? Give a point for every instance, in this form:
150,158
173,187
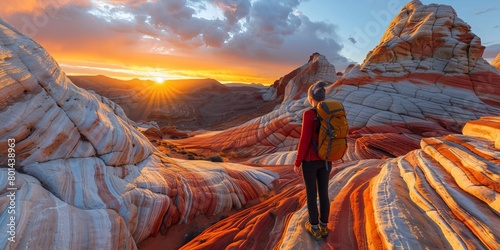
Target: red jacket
306,150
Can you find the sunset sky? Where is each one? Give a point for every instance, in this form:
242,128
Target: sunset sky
228,40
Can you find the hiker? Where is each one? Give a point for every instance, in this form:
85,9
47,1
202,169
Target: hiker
309,164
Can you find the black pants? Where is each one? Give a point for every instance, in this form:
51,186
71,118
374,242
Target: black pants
316,176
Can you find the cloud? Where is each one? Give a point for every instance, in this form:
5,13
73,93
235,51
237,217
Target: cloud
233,10
485,11
272,21
248,36
352,40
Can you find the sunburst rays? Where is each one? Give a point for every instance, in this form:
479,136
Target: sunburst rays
156,97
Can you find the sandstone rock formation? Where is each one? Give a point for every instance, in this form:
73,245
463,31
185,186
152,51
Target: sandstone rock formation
293,85
429,44
443,196
422,169
85,177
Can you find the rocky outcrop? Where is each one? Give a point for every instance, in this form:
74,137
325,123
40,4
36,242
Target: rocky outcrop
443,196
83,176
427,37
429,44
293,85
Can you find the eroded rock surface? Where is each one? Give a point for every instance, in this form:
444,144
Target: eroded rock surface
85,177
443,196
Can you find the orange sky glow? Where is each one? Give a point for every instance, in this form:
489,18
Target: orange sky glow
89,44
245,41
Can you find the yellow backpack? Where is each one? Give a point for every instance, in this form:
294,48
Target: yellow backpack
333,130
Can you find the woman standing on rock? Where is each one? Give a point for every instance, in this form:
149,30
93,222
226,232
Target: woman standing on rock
312,167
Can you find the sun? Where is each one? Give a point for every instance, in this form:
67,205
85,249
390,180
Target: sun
159,80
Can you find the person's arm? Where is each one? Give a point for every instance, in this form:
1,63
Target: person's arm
305,136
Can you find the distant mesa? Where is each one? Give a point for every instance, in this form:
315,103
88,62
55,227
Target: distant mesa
101,82
188,104
246,85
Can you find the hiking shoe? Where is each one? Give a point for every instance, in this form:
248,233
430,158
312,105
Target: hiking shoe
323,230
315,233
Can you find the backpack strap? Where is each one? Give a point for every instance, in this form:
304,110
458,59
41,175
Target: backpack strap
317,119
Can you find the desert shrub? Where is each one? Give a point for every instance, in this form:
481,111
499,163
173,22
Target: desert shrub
192,234
216,158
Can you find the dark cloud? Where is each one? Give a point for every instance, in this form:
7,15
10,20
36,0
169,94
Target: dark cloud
272,21
314,37
352,40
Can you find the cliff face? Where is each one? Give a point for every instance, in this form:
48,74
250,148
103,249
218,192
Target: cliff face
82,175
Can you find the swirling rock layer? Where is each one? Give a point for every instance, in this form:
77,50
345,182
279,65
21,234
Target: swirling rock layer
443,196
84,176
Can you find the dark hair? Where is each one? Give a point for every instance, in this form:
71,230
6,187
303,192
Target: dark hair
317,91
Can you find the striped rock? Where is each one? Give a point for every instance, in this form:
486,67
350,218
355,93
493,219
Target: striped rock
293,85
443,196
84,176
429,44
434,128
